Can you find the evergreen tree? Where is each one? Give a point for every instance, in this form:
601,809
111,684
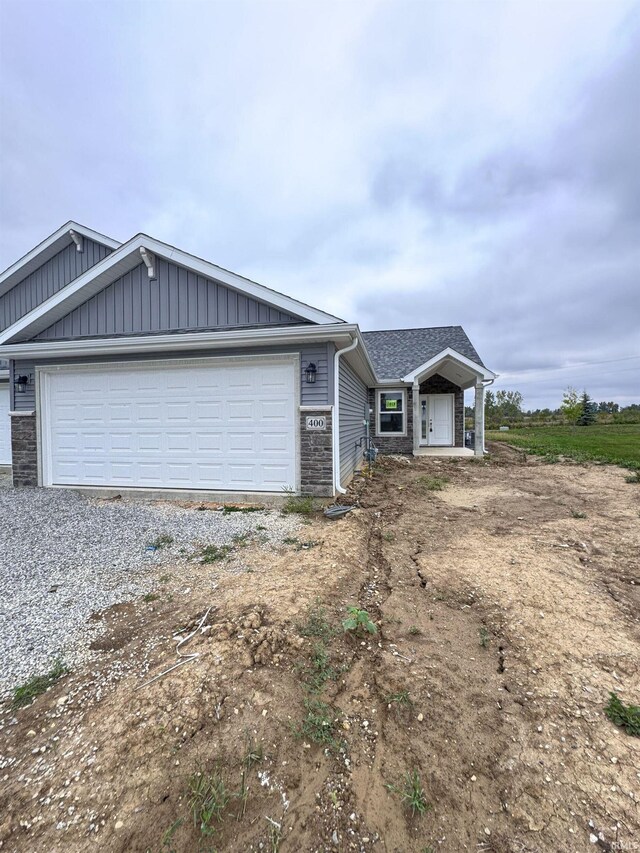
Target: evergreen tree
587,411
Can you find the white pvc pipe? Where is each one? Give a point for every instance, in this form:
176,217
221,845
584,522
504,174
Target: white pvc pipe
336,415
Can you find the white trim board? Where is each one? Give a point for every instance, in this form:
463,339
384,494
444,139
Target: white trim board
483,372
125,258
47,249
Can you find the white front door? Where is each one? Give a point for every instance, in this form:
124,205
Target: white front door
436,420
5,426
227,424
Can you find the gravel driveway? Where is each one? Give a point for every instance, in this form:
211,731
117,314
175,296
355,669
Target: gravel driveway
64,556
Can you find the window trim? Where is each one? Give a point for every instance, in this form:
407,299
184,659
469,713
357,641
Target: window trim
402,391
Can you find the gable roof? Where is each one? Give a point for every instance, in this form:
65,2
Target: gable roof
396,352
45,250
128,256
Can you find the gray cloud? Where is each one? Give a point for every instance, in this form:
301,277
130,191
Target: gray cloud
399,164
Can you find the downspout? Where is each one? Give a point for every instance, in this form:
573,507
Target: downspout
335,421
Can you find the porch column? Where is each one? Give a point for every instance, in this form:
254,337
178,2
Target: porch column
478,447
416,417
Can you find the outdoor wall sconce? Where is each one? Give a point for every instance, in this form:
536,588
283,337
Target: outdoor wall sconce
21,383
310,373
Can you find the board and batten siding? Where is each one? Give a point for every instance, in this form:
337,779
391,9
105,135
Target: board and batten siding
177,300
317,394
48,279
354,410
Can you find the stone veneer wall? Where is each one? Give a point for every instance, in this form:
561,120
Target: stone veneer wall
439,385
316,456
392,443
24,450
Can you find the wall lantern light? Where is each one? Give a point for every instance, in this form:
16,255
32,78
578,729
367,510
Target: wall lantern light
310,373
21,383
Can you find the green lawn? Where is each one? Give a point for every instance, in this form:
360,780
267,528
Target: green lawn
616,443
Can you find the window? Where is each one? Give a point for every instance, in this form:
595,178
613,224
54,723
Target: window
391,412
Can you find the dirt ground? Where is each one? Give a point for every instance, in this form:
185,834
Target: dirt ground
507,608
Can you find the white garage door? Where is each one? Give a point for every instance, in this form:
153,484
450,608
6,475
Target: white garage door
5,426
201,425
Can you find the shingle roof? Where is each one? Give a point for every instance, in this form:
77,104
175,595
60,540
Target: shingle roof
396,352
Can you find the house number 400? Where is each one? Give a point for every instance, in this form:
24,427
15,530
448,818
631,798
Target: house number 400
316,423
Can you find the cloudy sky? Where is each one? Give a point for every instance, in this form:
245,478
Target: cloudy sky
397,163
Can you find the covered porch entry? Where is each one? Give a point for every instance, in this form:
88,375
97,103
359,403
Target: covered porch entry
438,404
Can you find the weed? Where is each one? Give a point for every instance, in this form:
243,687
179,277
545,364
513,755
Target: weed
167,836
161,541
414,630
254,753
290,540
297,504
320,670
432,484
229,508
389,537
25,695
550,458
261,527
275,832
625,716
484,637
317,723
165,578
577,514
316,624
412,793
358,619
401,698
150,596
214,553
208,798
241,540
633,478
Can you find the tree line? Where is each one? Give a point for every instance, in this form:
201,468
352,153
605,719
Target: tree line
505,408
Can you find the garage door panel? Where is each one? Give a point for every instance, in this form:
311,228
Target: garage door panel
187,426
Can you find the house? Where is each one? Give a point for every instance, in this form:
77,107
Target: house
139,366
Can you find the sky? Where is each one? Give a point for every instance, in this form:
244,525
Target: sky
398,164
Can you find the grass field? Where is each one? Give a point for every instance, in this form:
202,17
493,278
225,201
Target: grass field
616,443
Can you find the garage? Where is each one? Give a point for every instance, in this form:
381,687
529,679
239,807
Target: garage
215,424
5,426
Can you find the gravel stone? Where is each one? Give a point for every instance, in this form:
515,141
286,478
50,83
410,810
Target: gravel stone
64,556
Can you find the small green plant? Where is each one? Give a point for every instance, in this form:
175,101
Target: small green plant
275,834
625,716
25,694
215,553
253,754
633,478
208,798
577,514
161,541
290,540
261,527
317,723
401,698
167,836
411,793
165,578
414,630
320,671
358,620
432,484
150,596
227,509
241,540
296,504
389,537
484,637
550,458
316,624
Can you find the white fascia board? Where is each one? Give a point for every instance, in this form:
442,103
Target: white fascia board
41,253
278,335
128,256
473,366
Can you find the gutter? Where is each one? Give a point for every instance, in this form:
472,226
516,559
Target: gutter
335,421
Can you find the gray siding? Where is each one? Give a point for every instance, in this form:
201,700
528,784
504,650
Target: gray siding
354,409
48,279
177,300
311,395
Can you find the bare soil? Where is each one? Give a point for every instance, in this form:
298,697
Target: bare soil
503,622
